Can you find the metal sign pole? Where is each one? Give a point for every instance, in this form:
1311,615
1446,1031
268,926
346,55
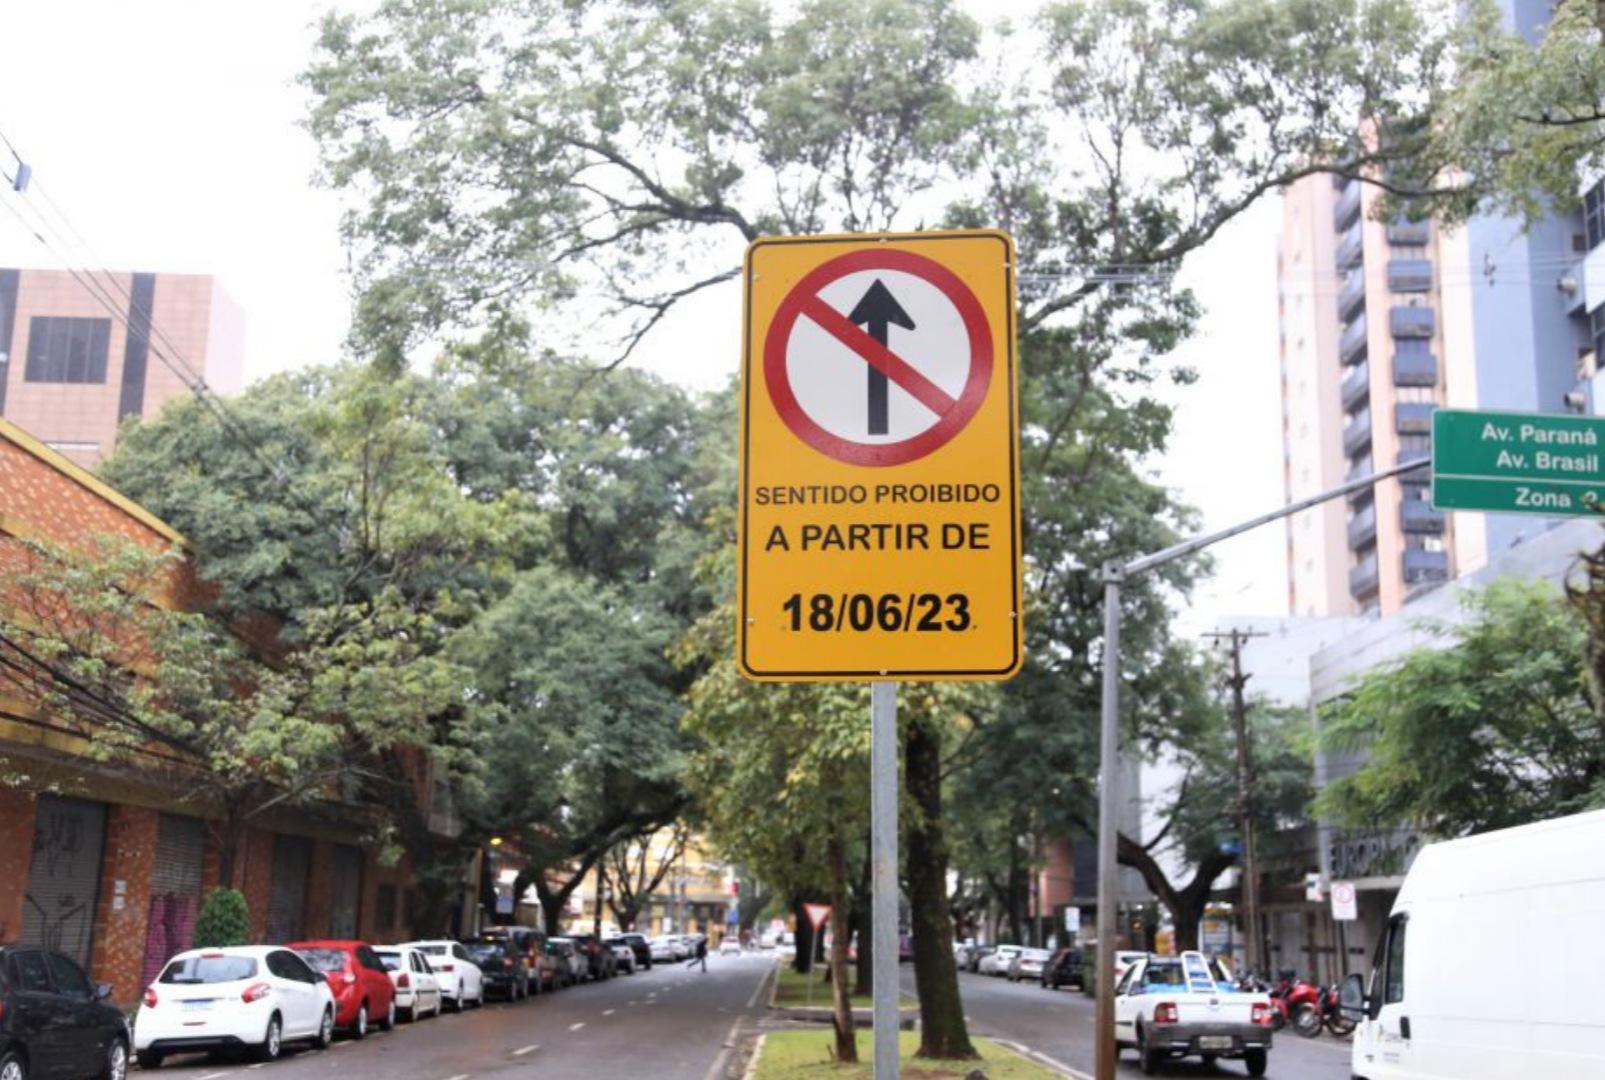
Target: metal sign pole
883,858
1108,817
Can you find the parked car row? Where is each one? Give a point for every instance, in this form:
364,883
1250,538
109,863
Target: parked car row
256,999
1052,968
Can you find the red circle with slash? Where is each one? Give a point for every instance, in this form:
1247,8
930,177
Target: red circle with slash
953,413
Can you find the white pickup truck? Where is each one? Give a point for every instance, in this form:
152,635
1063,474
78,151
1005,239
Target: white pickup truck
1181,1006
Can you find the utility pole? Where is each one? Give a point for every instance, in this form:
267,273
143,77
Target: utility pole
1254,934
601,883
1115,575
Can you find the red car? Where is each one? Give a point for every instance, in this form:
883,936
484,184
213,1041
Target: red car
363,992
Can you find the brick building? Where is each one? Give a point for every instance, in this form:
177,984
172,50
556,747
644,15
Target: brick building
106,860
70,371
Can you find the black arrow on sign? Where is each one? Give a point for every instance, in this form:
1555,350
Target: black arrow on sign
877,310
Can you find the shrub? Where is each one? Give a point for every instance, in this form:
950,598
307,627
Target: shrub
225,919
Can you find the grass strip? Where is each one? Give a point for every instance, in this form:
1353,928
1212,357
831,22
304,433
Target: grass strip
805,1055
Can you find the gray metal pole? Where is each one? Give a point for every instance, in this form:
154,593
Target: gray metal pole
1108,822
883,858
1114,575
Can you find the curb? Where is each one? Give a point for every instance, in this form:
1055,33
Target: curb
1041,1059
752,1062
864,1018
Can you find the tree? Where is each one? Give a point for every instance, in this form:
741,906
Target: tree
327,523
628,869
1521,121
1491,726
1201,811
585,752
801,751
99,638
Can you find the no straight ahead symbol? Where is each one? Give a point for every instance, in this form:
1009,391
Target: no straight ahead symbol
923,384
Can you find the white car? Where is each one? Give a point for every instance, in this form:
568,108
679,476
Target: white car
417,989
1124,958
1028,964
623,959
1170,1006
663,950
255,996
730,944
461,982
997,961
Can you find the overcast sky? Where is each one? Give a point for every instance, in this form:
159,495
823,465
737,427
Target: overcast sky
167,132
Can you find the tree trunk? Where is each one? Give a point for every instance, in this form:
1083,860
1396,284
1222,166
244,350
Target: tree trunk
841,1010
802,961
865,977
943,1033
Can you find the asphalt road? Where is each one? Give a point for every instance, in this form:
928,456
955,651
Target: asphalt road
1058,1024
669,1023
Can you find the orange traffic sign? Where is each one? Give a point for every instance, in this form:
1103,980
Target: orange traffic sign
879,525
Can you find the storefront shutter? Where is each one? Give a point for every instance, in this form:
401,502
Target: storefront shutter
175,891
347,892
58,910
287,893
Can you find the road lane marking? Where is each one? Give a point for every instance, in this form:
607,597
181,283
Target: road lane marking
631,1003
530,1049
213,1076
609,1012
459,1076
576,1027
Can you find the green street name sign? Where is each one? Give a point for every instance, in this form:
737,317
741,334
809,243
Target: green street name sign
1518,463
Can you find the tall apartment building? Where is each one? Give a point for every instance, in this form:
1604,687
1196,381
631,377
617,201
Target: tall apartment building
1363,367
70,372
1381,323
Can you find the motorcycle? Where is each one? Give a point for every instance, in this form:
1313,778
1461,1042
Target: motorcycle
1323,1012
1281,1015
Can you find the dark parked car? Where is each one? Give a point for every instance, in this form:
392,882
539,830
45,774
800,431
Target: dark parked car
640,946
598,956
1063,969
531,942
502,965
54,1023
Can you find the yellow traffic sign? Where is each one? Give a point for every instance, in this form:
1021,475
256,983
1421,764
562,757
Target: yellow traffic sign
880,519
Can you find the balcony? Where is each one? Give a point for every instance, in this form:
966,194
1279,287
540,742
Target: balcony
1363,527
1356,471
1409,233
1351,294
1350,246
1413,417
1409,275
1415,369
1363,579
1356,386
1424,567
1357,433
1347,208
1412,322
1352,345
1418,516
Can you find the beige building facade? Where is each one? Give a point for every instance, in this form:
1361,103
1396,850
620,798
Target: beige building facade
1362,369
71,371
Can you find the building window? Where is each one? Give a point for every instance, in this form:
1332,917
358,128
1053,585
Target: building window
63,350
1594,214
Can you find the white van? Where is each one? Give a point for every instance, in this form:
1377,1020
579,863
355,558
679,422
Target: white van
1487,968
